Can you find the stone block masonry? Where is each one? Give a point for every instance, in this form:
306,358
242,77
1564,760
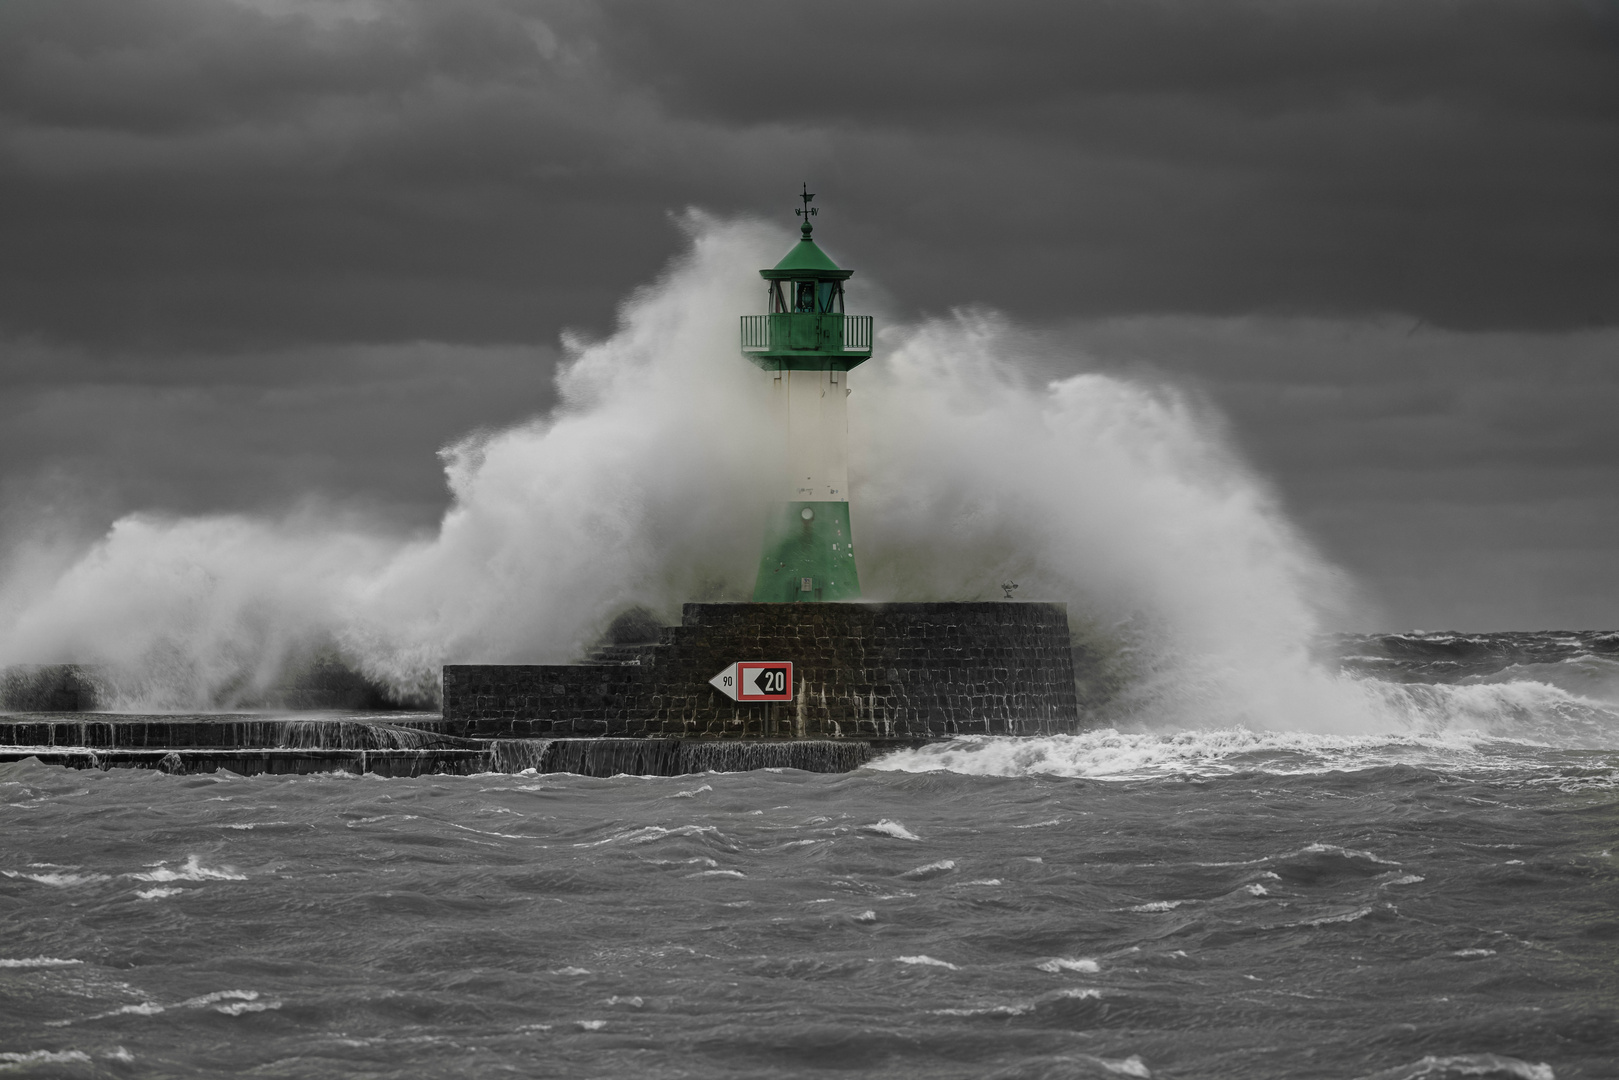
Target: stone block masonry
902,672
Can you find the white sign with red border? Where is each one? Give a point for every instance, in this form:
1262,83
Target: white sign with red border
756,680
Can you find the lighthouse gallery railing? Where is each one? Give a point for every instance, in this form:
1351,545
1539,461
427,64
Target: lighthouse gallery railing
807,331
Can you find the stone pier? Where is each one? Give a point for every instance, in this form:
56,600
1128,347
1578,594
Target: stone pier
900,673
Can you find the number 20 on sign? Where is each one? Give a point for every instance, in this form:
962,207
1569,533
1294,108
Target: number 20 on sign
756,680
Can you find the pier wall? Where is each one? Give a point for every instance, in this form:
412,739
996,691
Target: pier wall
867,671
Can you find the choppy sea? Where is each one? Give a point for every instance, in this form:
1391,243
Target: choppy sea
1438,901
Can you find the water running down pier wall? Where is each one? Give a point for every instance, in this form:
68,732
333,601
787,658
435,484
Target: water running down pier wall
251,746
864,671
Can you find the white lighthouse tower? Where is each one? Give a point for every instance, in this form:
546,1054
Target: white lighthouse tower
808,344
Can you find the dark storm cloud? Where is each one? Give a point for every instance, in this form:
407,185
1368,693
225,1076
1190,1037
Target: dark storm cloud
206,172
1448,160
179,170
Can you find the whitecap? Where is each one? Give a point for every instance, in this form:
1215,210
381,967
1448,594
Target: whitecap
570,971
157,892
1348,853
59,880
988,1010
591,1025
1160,905
237,1008
38,962
1348,916
193,870
1473,952
1491,1065
926,961
43,1057
693,793
886,827
247,825
1058,964
932,869
984,881
718,873
866,916
1404,879
648,833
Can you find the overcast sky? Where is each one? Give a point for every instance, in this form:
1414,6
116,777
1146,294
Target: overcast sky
258,252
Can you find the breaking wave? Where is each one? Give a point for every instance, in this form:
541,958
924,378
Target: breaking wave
1122,497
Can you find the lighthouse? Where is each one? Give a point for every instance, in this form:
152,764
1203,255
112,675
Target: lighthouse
807,344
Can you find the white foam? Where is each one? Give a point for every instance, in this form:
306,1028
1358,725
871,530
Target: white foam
987,1010
570,971
1058,964
157,892
932,869
925,961
1348,853
890,828
590,1025
59,880
43,1057
1160,905
718,873
866,916
229,1002
38,962
1113,754
1491,1065
247,826
1342,917
648,833
193,870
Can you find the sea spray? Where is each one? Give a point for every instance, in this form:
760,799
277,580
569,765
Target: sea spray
646,486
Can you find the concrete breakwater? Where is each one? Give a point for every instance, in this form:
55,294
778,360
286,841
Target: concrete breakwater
904,672
864,677
399,746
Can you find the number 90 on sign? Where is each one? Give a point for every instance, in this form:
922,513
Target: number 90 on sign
756,680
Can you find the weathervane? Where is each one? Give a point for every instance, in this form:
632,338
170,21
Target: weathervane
808,212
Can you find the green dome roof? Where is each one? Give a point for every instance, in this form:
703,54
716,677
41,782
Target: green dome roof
806,261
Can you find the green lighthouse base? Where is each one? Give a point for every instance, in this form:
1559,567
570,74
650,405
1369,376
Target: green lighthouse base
808,555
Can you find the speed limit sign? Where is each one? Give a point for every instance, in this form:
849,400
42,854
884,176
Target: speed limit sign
756,680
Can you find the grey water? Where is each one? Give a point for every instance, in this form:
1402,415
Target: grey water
1436,902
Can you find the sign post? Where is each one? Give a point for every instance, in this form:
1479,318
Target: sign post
756,680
